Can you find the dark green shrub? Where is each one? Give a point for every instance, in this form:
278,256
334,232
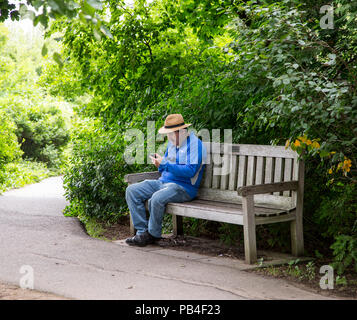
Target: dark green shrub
337,214
94,181
41,132
345,252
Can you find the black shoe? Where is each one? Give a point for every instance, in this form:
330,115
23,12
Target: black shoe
141,240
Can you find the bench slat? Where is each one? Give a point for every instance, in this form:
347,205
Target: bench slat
215,177
141,176
232,183
266,151
250,170
226,168
207,177
242,171
278,172
237,207
220,148
268,187
231,196
295,177
259,170
218,211
269,170
204,214
287,174
273,219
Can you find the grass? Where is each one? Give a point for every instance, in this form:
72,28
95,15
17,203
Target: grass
94,228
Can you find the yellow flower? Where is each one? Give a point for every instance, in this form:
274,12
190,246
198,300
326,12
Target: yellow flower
330,171
347,164
316,145
302,139
297,143
308,142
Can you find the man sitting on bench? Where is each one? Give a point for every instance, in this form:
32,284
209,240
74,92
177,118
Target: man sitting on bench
181,170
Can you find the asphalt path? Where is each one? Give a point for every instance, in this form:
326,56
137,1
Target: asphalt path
39,247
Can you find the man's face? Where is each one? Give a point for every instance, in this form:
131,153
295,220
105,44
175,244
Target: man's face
177,137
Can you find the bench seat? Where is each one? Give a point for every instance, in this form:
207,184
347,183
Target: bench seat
224,211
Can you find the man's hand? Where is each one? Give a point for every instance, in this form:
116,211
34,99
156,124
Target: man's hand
157,160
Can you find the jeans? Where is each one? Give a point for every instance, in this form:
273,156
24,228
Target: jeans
158,194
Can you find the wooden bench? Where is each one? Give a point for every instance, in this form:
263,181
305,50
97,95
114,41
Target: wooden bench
264,184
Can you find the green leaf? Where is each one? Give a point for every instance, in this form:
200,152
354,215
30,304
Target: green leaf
97,5
44,50
58,59
87,9
37,4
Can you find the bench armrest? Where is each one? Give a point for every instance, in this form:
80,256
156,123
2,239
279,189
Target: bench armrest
141,176
267,188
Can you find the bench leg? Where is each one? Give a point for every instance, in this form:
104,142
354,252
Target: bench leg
297,237
296,226
177,225
132,229
250,245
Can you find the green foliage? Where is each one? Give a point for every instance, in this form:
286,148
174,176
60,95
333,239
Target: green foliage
94,179
44,10
32,125
19,173
230,234
265,70
9,148
39,121
42,132
337,212
345,252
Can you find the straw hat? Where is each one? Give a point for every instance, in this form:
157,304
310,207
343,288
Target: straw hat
173,122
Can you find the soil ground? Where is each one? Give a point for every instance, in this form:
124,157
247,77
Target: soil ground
11,292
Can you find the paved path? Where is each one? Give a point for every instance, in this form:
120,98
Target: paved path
67,262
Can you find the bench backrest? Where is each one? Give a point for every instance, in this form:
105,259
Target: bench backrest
230,166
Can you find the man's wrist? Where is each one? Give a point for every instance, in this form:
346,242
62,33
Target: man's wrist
162,165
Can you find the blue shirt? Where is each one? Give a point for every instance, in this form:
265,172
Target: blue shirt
184,165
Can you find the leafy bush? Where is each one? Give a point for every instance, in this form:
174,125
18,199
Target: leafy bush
31,123
9,148
41,131
94,179
345,252
337,212
19,173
